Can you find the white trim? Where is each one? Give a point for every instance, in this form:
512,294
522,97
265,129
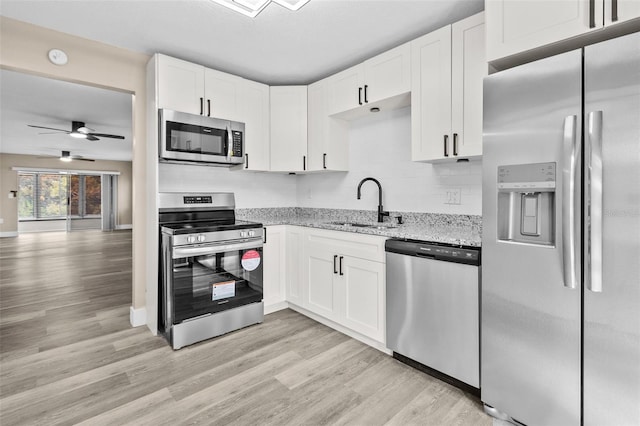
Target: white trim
129,226
8,234
67,171
137,317
342,329
274,307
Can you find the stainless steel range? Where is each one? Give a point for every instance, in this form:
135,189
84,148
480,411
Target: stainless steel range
210,268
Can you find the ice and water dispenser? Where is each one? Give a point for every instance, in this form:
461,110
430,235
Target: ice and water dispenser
526,203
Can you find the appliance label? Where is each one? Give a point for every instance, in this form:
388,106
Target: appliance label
223,290
251,260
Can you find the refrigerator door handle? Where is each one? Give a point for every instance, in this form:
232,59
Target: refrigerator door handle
570,202
593,201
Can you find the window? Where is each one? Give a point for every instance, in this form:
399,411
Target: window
45,196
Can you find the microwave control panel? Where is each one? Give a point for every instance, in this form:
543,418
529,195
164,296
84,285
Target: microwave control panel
236,149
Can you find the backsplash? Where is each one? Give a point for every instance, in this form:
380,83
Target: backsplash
380,147
251,189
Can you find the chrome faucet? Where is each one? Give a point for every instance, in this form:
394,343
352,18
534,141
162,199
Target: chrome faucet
381,212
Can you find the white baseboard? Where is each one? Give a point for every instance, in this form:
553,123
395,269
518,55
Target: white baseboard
344,330
137,317
124,226
8,234
274,307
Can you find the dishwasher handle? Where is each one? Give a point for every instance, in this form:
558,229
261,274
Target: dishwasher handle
436,251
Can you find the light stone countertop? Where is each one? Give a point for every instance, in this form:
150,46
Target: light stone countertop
458,230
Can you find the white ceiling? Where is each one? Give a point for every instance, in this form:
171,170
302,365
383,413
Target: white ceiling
277,47
28,99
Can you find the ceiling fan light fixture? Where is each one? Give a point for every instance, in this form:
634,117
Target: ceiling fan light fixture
78,135
66,156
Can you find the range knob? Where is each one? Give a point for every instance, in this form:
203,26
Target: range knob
252,233
191,239
201,238
243,234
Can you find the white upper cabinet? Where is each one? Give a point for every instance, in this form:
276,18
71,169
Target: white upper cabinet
448,66
222,95
180,85
365,85
254,112
327,137
516,26
288,128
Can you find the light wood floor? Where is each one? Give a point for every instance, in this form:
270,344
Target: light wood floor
68,355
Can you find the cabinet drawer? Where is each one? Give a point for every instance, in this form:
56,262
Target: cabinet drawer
370,247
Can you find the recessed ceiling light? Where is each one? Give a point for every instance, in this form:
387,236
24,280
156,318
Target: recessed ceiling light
291,4
252,8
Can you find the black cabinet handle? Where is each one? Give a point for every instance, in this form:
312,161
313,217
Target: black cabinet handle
208,107
265,234
246,161
334,264
359,95
614,10
201,106
304,162
324,161
366,101
341,257
592,13
446,145
455,144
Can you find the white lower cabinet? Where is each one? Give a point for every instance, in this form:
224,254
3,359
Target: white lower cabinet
274,268
343,287
294,262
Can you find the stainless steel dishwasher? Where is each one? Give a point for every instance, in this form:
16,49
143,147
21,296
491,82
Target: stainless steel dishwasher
433,309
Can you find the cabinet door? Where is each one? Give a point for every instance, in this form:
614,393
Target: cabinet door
320,269
288,128
431,96
295,264
362,294
327,137
515,26
388,74
274,268
180,85
254,108
346,89
222,92
469,67
616,11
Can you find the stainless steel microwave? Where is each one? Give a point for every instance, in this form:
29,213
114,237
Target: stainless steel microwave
199,139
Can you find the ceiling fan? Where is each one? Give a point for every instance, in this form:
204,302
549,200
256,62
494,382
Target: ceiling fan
66,156
80,131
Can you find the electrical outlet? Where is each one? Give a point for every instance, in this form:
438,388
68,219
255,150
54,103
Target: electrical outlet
453,196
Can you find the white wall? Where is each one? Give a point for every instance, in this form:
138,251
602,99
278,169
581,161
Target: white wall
252,189
380,147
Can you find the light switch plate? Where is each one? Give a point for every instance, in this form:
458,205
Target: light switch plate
453,196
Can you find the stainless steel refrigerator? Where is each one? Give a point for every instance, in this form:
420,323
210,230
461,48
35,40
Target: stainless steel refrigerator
560,312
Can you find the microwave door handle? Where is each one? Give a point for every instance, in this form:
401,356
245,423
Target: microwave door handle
229,142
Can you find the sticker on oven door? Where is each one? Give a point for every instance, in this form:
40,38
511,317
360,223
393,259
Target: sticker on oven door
251,260
223,290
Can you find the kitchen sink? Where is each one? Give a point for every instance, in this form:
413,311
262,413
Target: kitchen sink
362,225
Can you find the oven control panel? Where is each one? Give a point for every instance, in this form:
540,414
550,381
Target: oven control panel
217,236
200,199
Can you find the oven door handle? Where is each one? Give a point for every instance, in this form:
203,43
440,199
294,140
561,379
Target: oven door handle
204,249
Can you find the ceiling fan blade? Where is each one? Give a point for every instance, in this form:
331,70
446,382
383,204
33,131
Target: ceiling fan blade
90,137
82,159
48,128
104,135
